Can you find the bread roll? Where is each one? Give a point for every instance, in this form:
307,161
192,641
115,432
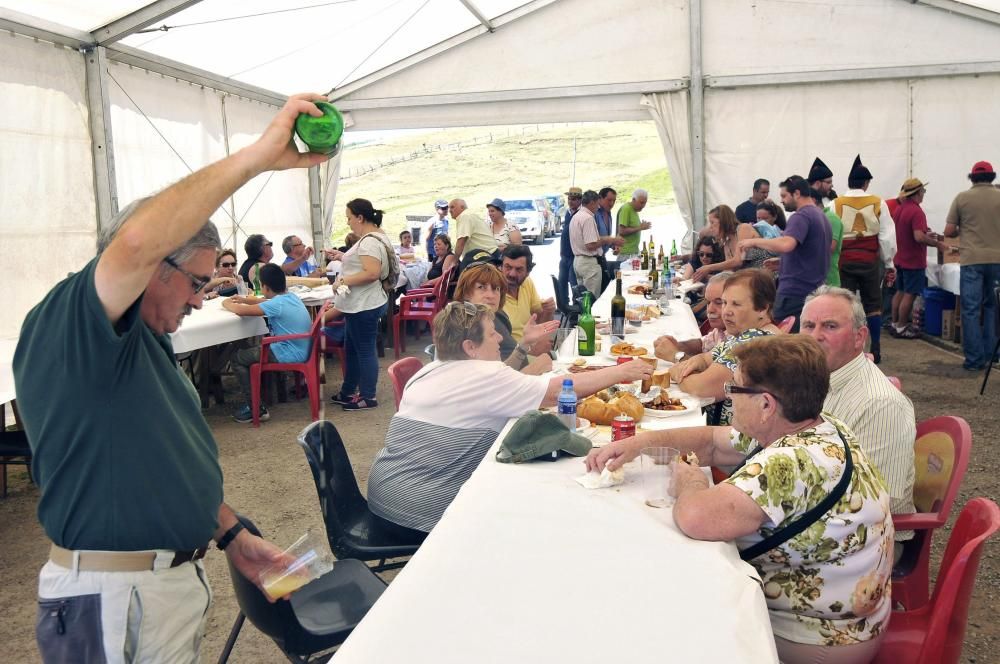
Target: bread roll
599,411
659,378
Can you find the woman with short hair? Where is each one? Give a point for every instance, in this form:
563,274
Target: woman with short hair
452,412
503,231
826,582
444,260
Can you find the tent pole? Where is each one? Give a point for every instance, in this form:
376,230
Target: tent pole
101,142
316,214
697,113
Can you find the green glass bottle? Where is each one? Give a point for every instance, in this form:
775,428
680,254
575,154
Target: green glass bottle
321,134
256,281
673,249
586,341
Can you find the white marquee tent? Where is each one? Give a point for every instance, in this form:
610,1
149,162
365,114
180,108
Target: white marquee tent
105,101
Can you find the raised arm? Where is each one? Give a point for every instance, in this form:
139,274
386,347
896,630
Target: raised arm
165,222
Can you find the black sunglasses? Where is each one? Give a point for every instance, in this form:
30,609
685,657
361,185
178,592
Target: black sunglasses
227,264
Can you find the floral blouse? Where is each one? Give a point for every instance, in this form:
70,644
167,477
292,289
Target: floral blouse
723,354
503,237
828,585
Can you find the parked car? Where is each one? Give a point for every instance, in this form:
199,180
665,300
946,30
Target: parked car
532,216
558,204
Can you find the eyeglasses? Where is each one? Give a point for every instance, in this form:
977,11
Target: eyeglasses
197,283
298,244
732,388
470,310
227,264
706,254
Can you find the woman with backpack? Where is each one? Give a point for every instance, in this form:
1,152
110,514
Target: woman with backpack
367,267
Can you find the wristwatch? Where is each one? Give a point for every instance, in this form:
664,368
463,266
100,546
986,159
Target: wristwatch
229,536
521,349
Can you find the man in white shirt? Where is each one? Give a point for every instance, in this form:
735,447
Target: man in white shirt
860,395
587,244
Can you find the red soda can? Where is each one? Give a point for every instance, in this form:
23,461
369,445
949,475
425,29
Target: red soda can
622,426
622,359
636,263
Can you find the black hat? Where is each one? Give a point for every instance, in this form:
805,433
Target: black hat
858,171
819,171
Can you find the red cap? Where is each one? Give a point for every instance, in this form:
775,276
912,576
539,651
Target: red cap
982,167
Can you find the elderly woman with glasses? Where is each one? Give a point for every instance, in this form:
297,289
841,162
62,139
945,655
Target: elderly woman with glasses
452,412
747,301
826,580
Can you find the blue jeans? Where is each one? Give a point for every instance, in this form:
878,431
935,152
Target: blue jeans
567,277
789,305
979,338
360,332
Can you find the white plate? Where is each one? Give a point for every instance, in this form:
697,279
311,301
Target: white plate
690,407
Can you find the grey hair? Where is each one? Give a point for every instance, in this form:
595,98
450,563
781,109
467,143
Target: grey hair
858,318
719,276
590,196
207,236
640,193
286,244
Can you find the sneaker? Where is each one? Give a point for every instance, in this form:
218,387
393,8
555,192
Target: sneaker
343,400
361,404
909,333
244,416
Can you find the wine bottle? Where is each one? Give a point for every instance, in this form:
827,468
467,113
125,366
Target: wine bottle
660,255
645,258
586,343
618,308
321,134
654,275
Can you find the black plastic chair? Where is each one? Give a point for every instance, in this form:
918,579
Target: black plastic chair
989,360
316,618
569,312
351,528
14,451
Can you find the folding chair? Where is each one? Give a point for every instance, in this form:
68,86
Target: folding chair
400,373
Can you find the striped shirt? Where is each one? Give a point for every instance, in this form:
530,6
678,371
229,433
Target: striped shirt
451,414
882,419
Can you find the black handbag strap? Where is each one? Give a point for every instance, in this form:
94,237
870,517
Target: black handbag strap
782,535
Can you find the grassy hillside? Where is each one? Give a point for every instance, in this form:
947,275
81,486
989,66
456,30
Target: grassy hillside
481,163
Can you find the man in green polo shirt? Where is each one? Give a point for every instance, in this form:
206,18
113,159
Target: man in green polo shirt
629,225
128,469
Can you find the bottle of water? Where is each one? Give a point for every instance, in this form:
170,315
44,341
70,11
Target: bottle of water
567,404
668,286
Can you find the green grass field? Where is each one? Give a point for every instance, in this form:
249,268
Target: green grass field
482,163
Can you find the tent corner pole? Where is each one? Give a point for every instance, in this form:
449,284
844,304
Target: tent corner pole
101,140
697,114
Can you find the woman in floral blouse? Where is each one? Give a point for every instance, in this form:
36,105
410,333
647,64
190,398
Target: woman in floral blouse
827,588
747,300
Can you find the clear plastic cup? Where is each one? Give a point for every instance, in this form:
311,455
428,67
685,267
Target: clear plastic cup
657,469
307,559
565,345
241,286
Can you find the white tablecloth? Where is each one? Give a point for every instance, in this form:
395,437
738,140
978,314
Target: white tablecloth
527,566
212,324
7,347
947,276
679,322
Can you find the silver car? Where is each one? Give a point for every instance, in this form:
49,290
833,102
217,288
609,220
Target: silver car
532,216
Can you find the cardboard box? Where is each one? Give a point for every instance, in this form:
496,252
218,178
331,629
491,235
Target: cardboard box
952,256
949,325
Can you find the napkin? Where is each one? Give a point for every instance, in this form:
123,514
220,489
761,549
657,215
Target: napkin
606,479
343,289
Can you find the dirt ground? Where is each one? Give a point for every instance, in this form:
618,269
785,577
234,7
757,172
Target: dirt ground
267,479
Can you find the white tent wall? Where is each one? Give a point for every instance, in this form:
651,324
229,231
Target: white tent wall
763,132
275,204
48,223
164,129
770,36
954,125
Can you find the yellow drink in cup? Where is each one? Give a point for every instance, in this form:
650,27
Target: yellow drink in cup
307,559
285,585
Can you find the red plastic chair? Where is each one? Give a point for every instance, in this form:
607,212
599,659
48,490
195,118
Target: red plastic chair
400,372
933,634
941,455
309,369
331,347
786,325
420,304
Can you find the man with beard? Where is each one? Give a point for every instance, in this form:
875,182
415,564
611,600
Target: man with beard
805,246
567,275
821,180
522,301
869,246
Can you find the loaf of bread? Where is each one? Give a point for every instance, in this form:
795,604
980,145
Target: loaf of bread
659,378
599,411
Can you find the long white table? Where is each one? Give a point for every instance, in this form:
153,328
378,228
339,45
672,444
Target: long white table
212,325
527,566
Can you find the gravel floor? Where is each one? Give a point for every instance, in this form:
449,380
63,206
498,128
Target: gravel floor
267,479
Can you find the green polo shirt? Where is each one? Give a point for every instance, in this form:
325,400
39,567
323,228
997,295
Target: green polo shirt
627,216
837,227
122,454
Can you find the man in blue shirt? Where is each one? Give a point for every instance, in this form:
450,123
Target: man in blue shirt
297,257
567,276
607,199
437,227
285,315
